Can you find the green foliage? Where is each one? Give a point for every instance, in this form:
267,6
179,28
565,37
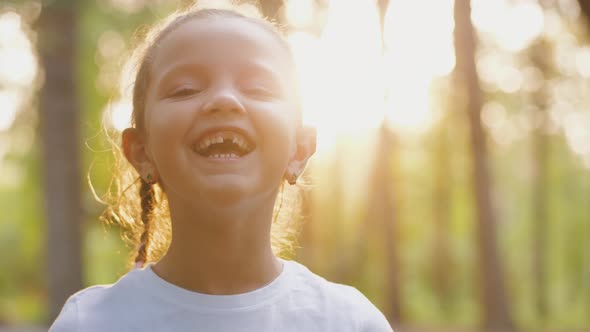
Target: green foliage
339,209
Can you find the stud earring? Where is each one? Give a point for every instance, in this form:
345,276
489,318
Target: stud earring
149,178
293,178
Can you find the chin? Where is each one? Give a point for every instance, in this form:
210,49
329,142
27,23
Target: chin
227,193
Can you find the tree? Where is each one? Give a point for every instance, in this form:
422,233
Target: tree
383,217
383,208
538,54
495,304
585,8
59,126
441,274
271,9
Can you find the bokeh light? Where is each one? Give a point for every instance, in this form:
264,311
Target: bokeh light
533,63
521,22
18,66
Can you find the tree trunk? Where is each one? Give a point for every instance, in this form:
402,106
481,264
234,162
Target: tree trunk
540,55
383,218
442,200
271,9
385,200
59,126
495,304
585,9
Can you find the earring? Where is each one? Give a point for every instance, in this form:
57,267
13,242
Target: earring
149,178
293,178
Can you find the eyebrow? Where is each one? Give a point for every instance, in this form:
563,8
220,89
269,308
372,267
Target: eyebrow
259,67
181,68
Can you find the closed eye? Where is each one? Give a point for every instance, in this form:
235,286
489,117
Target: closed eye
183,92
260,91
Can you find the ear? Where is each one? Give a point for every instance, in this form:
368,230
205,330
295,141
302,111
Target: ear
306,145
134,148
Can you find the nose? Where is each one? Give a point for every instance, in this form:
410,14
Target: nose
223,100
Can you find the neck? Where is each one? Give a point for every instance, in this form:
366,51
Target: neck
219,252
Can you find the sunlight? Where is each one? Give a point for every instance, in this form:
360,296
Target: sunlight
10,101
340,85
111,45
583,61
520,24
577,132
348,85
493,114
118,114
128,6
413,60
18,67
500,71
500,124
17,62
299,12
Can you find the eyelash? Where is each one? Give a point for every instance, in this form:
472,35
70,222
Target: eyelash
256,90
261,90
183,92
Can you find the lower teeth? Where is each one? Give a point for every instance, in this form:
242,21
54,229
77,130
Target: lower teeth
224,156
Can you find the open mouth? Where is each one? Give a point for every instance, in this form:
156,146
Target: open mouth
224,144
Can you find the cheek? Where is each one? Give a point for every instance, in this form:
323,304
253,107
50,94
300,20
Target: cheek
277,126
173,117
167,116
166,128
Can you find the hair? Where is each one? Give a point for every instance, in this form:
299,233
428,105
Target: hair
141,208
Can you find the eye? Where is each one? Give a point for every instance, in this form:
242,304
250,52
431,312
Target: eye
261,90
183,92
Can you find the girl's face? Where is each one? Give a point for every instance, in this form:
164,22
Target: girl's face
221,115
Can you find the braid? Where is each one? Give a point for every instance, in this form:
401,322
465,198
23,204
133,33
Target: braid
146,192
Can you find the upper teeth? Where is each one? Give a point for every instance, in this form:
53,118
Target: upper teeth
219,138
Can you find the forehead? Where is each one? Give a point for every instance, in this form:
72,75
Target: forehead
221,43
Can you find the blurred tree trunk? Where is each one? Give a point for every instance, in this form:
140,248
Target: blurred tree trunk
442,200
59,126
383,218
540,55
495,304
384,210
271,9
585,9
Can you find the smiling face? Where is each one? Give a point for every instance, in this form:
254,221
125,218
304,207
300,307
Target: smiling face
221,117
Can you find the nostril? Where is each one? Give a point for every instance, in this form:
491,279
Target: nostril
225,102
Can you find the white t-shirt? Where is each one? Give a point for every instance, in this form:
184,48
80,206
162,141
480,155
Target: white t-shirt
297,300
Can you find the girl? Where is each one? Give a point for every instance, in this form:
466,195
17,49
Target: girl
216,132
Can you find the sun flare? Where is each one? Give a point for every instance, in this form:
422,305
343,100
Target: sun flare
350,84
350,81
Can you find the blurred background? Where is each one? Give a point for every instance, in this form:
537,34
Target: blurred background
451,183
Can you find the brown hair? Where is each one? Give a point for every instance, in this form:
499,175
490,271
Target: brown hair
146,226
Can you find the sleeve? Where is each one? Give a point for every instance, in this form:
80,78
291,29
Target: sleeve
375,322
372,320
67,321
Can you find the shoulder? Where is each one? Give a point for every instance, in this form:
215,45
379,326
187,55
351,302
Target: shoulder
343,301
68,319
369,318
95,303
